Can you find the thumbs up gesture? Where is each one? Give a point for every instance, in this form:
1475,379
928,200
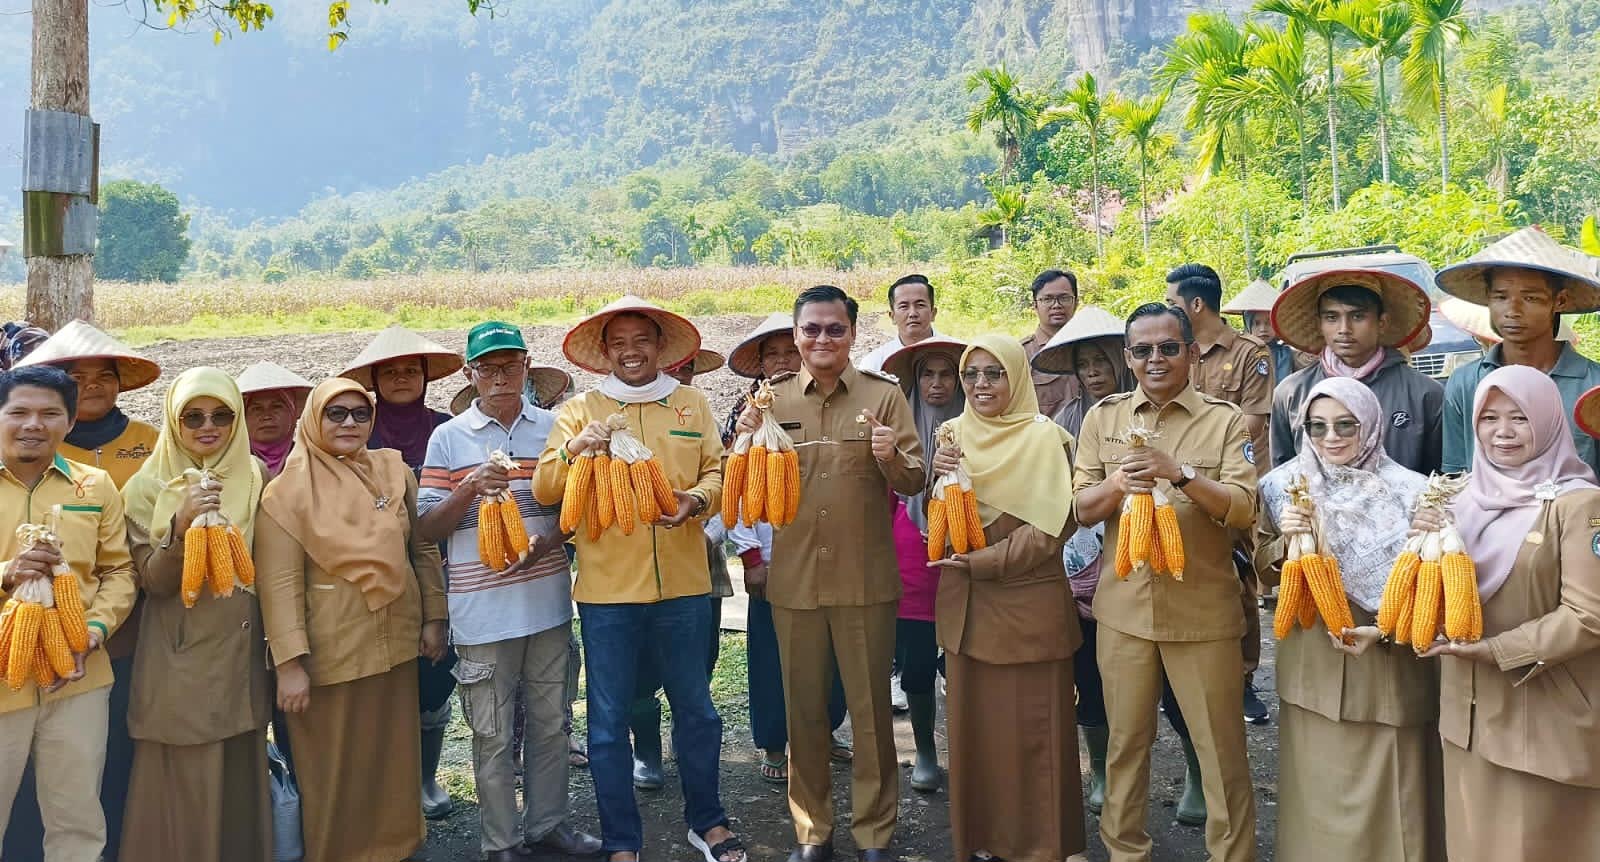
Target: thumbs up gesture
883,437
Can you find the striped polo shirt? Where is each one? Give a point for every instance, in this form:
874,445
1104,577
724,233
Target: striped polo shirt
484,606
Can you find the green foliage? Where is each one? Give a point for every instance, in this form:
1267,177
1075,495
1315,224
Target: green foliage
247,15
142,233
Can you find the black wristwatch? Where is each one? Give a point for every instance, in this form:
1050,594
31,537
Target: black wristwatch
1187,475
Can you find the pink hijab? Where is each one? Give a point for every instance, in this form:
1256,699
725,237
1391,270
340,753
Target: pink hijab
1500,504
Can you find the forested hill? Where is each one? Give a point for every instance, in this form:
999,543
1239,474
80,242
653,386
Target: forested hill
261,124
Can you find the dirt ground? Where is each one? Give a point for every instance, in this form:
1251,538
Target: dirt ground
758,809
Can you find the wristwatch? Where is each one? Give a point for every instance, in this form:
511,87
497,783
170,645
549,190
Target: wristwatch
1188,475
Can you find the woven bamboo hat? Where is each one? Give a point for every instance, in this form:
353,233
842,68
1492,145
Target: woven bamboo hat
582,345
1475,320
397,342
704,362
1091,322
546,383
745,360
1587,412
1405,305
1529,248
1258,295
902,363
266,376
78,340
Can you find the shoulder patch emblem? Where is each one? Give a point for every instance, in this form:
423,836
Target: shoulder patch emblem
1595,545
1250,452
1262,368
1400,419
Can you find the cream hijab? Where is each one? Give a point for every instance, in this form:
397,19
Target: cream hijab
1018,460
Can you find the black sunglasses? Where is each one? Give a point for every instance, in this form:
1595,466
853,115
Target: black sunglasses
194,420
1318,429
338,414
1169,349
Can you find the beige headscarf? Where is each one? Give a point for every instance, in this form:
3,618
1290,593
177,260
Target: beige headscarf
154,494
1017,460
331,504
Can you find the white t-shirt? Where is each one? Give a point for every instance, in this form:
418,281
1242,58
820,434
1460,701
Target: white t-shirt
874,359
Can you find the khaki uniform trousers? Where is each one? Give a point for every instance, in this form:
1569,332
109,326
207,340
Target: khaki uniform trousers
1208,679
66,738
863,639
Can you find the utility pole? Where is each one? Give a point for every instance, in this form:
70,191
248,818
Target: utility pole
60,168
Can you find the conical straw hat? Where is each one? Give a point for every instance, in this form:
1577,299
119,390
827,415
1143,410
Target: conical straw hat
1089,323
705,361
901,363
1529,248
1475,320
397,342
1406,307
1258,295
266,376
78,340
582,345
548,383
745,360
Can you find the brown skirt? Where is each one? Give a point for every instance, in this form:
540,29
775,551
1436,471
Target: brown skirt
358,758
199,803
1494,813
1370,790
1015,787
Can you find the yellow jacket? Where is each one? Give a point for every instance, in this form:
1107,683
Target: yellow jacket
653,564
121,457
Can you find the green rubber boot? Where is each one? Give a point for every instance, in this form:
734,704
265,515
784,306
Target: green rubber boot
925,775
1095,739
1192,807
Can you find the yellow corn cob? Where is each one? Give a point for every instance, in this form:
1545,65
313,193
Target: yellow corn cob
938,529
1425,612
1158,559
1404,617
7,626
24,643
219,560
243,566
516,531
580,484
195,570
43,674
955,507
1124,550
591,515
791,485
1143,521
1170,540
491,535
1346,619
649,509
665,499
732,487
1291,592
755,485
1326,591
1475,627
975,537
1460,583
622,496
54,642
1402,582
777,491
69,602
605,510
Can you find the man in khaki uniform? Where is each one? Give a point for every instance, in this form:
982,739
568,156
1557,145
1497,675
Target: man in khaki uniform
1055,300
1150,624
834,583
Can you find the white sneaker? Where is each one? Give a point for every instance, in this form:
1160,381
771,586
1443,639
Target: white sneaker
897,696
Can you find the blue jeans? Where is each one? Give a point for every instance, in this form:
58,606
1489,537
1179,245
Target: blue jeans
768,722
616,639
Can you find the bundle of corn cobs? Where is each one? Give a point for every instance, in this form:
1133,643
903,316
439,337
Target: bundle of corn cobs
1433,584
43,623
1147,530
762,475
1311,584
502,537
623,486
953,508
213,552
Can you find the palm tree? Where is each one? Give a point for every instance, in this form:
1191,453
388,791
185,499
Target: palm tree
1009,205
1005,106
1136,120
1436,25
1278,82
1381,27
1493,126
1319,17
1084,106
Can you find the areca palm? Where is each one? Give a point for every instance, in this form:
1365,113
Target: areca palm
1278,82
1135,120
1084,106
1381,26
1004,106
1319,17
1436,26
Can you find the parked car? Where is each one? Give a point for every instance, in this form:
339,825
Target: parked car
1451,347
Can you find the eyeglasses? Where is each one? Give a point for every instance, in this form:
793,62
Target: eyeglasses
194,420
504,371
338,414
988,375
1318,429
1169,349
834,331
1059,301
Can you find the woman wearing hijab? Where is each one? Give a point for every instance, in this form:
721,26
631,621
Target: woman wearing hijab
1359,753
1517,709
345,622
273,397
1007,624
201,698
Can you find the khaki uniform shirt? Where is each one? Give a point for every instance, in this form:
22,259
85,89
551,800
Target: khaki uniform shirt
1207,434
1055,391
1238,369
839,552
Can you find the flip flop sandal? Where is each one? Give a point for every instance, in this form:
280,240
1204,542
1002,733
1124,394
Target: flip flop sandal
577,758
775,771
729,849
841,753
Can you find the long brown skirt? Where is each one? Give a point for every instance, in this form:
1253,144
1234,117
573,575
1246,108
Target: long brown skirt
358,758
1494,813
1370,790
1015,787
199,803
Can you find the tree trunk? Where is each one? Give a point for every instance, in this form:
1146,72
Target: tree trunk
60,288
1444,129
1305,181
1383,123
1094,176
1333,130
1144,199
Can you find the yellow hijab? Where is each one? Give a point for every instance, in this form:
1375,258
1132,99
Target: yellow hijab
154,493
1017,460
330,504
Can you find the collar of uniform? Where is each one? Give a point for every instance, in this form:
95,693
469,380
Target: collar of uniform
846,379
1189,399
1570,363
1225,339
478,420
57,463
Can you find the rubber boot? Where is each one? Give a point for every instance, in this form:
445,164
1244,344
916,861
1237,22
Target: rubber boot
1192,806
436,802
646,724
1095,739
925,774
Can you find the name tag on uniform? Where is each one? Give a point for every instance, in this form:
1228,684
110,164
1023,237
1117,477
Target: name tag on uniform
789,426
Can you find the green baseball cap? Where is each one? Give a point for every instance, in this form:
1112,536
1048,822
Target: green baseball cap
493,335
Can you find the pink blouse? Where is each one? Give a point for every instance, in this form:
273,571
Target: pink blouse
919,581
